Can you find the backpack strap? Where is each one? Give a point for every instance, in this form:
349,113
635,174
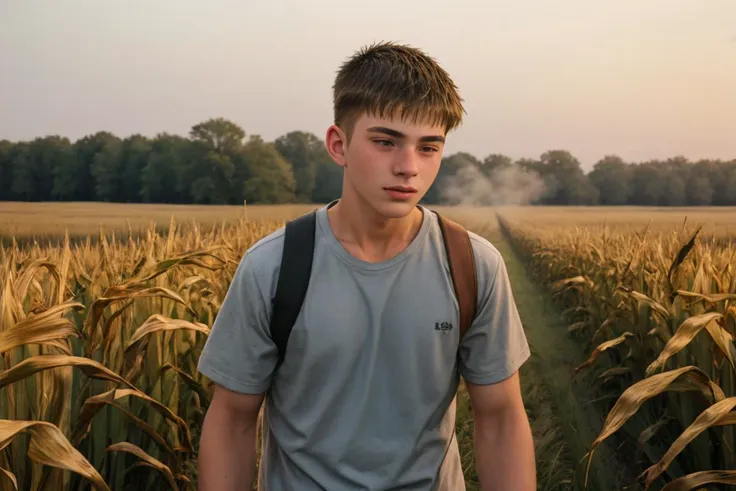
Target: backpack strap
291,288
462,269
296,269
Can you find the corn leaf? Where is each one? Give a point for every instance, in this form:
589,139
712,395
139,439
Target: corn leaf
705,420
636,395
159,323
10,476
49,446
682,337
654,305
601,348
696,479
44,328
95,403
145,460
713,298
38,363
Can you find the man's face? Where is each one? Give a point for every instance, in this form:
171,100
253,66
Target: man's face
390,163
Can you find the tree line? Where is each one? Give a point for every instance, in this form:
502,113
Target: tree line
216,164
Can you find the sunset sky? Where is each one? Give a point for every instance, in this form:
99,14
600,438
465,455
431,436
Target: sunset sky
643,80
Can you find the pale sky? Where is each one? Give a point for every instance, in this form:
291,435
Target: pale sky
648,79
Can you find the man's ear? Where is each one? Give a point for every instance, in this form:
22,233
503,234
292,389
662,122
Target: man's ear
336,144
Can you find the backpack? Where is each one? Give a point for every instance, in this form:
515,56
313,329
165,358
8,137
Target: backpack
296,267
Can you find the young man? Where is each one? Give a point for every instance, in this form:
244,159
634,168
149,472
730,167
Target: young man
365,396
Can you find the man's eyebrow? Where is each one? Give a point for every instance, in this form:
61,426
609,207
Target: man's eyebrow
398,134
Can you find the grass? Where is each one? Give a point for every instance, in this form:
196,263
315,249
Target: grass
562,424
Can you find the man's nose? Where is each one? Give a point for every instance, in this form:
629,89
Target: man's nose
407,163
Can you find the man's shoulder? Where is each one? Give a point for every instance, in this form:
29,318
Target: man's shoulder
488,262
268,247
262,259
486,254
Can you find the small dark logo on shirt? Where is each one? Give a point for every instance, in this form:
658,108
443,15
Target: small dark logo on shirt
443,327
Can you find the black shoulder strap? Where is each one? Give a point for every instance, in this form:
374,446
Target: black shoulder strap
296,268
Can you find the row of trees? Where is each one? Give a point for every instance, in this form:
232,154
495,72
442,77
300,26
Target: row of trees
217,164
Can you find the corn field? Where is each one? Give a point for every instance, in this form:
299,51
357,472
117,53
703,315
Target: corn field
99,342
656,312
99,347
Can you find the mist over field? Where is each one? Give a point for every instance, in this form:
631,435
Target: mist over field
512,185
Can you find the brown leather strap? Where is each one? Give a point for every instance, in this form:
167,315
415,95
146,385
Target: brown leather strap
462,269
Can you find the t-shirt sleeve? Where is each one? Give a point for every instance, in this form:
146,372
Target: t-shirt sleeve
239,353
495,345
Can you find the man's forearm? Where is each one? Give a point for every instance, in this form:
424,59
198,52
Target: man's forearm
227,454
504,453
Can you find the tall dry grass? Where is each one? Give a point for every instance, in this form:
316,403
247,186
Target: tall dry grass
98,349
656,310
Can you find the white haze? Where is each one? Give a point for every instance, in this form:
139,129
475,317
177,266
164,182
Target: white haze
509,185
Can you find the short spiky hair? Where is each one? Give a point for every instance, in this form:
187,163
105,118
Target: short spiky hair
388,78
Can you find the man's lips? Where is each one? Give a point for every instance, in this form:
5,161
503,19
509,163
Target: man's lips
401,189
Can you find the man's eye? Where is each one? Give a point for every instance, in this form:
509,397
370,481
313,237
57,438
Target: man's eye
384,142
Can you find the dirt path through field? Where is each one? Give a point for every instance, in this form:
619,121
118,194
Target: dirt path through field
563,422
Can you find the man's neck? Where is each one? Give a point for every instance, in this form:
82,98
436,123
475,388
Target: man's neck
371,237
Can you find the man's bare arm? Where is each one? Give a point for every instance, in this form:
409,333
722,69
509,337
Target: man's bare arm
227,452
504,449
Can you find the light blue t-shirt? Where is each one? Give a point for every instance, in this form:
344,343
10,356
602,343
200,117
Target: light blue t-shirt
365,398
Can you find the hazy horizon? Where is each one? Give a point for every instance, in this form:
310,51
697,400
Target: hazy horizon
651,80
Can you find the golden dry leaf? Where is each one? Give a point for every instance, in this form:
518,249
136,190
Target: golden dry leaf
682,337
724,341
44,328
64,270
99,305
612,373
577,326
691,481
574,281
184,259
193,280
654,305
695,381
49,446
726,419
93,405
713,298
633,397
615,371
158,322
732,311
601,348
35,364
705,420
681,255
146,460
10,476
29,272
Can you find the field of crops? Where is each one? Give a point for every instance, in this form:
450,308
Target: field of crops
99,340
652,298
